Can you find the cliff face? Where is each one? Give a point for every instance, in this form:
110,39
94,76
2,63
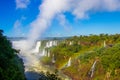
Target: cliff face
11,66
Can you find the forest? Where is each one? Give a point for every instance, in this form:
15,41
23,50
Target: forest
102,51
11,66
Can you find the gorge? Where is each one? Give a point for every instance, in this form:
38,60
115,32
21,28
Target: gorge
74,58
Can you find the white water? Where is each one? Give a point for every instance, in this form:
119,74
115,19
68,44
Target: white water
104,44
92,69
43,52
37,48
51,43
69,62
70,43
48,54
53,59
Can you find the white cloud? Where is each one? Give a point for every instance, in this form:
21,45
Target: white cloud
82,8
62,19
111,5
64,22
17,28
17,24
22,3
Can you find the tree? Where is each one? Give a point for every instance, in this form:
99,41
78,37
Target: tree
11,66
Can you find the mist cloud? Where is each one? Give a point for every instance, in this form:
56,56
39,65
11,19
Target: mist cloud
82,8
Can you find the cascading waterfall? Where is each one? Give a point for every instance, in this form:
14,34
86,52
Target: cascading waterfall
48,54
51,43
37,48
69,62
53,59
104,44
92,69
43,51
70,43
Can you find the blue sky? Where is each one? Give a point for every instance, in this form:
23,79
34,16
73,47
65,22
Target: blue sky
15,21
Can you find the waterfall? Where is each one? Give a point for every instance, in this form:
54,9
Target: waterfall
38,44
27,55
53,59
92,69
51,43
104,44
54,43
43,52
48,54
47,44
70,43
69,62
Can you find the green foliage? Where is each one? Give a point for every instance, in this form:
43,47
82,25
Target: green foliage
52,76
49,76
11,66
111,58
84,50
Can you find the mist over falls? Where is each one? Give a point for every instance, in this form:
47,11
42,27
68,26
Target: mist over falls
31,58
41,49
37,51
